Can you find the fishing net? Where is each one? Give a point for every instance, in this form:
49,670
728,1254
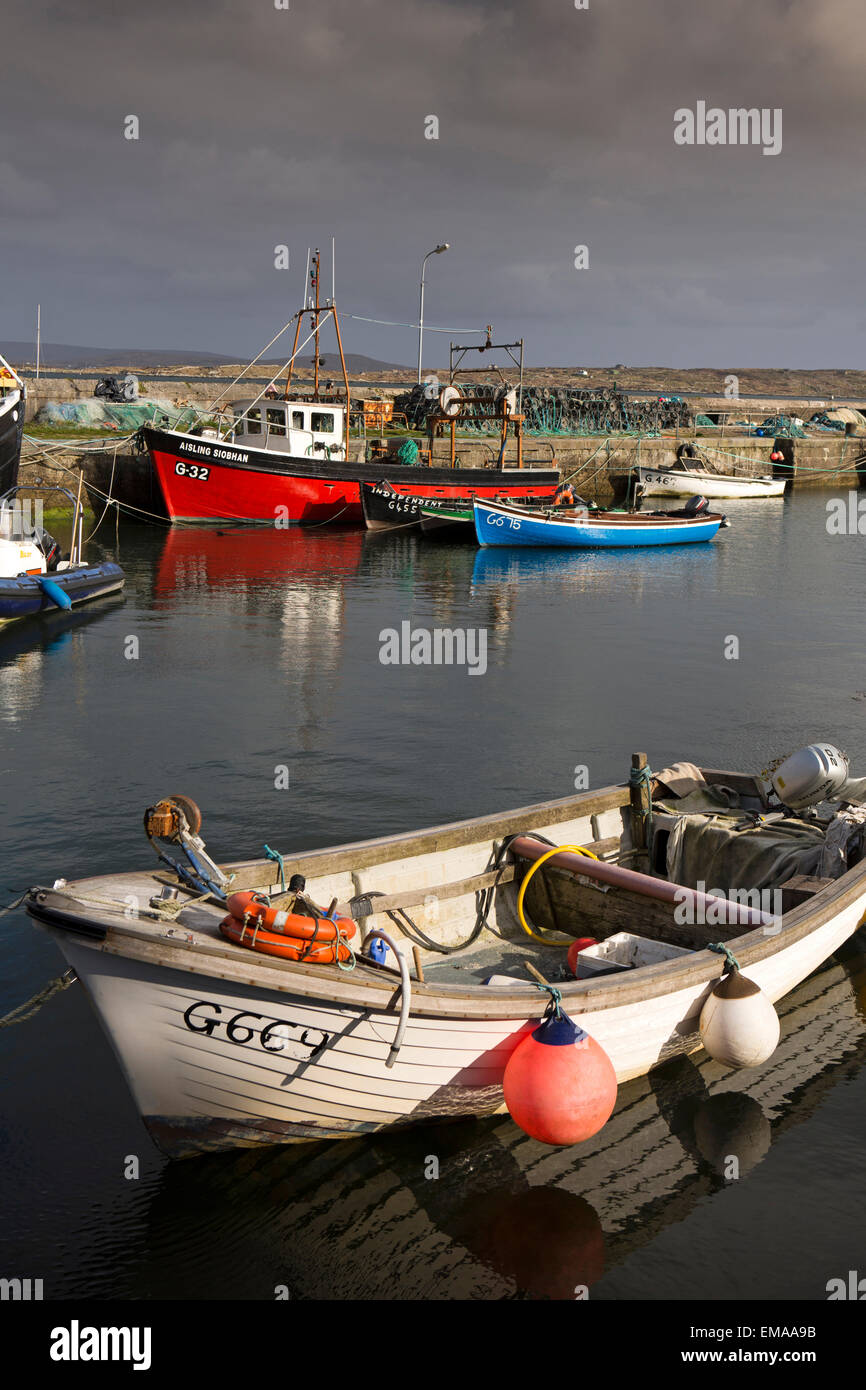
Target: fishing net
554,410
407,453
100,413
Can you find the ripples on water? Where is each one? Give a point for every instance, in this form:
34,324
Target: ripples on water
262,649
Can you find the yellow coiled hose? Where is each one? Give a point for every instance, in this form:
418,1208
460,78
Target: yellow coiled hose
558,849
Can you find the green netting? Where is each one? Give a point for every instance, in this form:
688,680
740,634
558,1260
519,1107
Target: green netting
102,414
408,453
553,410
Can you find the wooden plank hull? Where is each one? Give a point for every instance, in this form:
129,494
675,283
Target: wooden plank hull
516,1214
223,1047
213,1063
388,510
658,482
507,526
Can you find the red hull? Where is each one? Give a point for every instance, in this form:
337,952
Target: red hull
204,480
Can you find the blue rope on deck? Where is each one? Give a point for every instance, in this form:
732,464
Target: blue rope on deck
275,855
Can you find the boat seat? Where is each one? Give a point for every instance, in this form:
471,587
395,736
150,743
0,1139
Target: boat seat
368,904
372,903
801,888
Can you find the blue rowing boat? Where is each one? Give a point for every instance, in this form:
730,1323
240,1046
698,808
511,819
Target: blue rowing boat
499,524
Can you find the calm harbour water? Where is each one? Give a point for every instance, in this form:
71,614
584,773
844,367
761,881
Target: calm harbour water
261,650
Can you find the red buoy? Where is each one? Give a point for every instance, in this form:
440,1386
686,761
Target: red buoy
559,1084
574,950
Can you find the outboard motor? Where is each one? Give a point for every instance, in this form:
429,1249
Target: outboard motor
815,774
49,546
695,505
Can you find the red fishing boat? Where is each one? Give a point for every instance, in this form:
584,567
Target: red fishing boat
285,461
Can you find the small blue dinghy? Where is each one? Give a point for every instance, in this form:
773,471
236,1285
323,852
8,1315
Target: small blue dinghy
34,578
498,523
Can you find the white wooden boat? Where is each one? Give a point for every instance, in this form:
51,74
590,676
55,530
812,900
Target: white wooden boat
514,1213
679,481
223,1046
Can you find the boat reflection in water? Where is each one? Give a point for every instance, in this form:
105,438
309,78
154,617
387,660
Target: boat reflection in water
25,645
478,1210
244,565
593,571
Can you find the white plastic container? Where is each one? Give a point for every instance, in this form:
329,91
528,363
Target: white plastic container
624,951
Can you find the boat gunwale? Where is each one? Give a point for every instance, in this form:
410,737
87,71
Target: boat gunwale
294,465
708,473
469,1001
601,517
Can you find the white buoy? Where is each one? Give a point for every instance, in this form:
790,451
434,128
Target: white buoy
738,1024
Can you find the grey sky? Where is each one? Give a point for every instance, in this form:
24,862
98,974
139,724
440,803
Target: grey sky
261,126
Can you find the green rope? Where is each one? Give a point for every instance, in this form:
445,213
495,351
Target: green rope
278,858
553,1009
731,962
12,906
642,776
345,966
32,1006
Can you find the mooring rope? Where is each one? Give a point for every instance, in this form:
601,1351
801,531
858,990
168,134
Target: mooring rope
32,1006
108,499
12,906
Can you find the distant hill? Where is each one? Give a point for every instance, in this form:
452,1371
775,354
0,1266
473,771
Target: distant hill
54,355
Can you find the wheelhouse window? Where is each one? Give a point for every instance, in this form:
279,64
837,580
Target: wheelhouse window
297,419
254,422
276,421
322,423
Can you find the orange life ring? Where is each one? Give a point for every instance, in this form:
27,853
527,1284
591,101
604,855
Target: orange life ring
253,907
290,948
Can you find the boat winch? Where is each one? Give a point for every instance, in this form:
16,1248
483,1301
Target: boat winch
176,820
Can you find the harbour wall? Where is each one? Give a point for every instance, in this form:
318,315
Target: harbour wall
598,468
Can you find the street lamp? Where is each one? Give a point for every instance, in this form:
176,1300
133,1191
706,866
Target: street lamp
437,251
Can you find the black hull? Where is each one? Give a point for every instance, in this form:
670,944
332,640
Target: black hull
130,481
11,431
387,510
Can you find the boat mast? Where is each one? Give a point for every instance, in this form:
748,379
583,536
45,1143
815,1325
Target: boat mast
316,357
315,310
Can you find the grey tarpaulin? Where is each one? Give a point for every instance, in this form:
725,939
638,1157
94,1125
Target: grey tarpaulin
725,853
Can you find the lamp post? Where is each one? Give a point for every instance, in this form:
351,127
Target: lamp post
437,250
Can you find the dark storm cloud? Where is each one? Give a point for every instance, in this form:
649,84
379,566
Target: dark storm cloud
261,126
